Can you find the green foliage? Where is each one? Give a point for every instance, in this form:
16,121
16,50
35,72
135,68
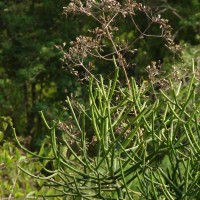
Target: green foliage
123,145
4,123
14,183
136,142
29,63
30,67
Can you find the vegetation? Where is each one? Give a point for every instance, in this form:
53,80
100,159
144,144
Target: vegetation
139,149
131,132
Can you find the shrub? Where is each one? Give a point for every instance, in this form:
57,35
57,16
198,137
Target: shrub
125,145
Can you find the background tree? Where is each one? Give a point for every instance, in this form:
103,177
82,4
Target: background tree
31,75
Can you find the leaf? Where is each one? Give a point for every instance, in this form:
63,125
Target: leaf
1,136
4,125
4,122
30,194
19,194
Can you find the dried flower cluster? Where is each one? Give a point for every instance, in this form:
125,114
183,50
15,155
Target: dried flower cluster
103,41
155,75
111,6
